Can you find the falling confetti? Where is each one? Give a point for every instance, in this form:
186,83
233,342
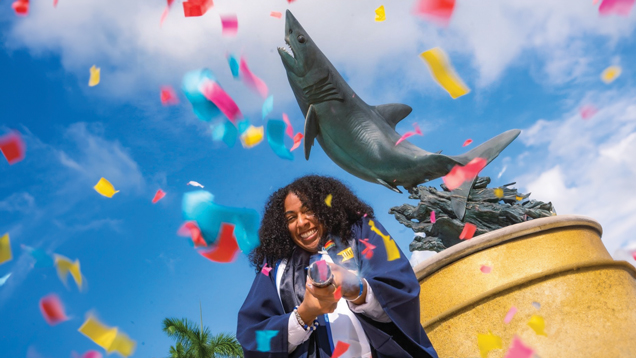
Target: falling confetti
488,342
588,111
289,130
158,196
537,323
616,7
225,248
4,279
263,339
12,147
105,188
225,131
203,108
468,231
510,314
64,266
438,10
92,354
193,8
380,15
21,7
252,136
368,249
328,200
234,65
191,229
251,80
275,138
268,106
266,269
458,175
337,293
42,259
519,350
5,249
485,269
417,131
229,24
95,76
433,219
52,309
340,348
443,72
215,94
392,252
168,96
108,338
518,198
297,140
276,14
193,183
55,3
499,193
164,15
610,74
467,142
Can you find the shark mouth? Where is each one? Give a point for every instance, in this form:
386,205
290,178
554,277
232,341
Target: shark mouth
289,50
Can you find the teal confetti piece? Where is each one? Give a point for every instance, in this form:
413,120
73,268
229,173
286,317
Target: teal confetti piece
203,108
276,139
234,66
263,339
268,106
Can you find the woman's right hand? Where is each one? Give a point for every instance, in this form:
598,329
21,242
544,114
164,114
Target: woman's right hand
312,307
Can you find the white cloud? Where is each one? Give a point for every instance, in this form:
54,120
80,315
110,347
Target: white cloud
21,202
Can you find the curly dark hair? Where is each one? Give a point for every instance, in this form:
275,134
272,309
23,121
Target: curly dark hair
312,190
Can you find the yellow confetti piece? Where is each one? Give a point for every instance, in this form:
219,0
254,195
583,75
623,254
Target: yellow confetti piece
108,338
252,136
518,198
499,193
380,14
328,200
444,73
64,266
94,80
488,342
5,249
392,251
610,74
105,188
537,324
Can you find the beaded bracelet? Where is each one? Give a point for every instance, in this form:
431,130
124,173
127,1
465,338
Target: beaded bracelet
307,328
359,294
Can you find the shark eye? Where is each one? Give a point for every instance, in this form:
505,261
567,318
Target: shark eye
301,39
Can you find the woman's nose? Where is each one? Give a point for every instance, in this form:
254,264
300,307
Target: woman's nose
302,220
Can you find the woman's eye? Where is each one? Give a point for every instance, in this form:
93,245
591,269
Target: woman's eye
290,219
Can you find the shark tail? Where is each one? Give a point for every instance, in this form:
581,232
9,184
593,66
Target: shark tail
488,151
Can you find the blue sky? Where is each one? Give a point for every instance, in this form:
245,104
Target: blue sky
530,65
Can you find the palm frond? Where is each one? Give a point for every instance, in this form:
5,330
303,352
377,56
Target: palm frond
225,345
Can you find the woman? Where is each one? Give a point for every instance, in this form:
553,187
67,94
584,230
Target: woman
371,308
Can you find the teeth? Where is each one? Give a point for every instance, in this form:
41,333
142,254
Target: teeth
308,233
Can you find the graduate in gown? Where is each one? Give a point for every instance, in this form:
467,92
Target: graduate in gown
371,309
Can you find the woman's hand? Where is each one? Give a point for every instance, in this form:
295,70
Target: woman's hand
349,282
312,306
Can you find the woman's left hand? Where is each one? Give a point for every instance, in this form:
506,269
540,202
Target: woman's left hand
344,278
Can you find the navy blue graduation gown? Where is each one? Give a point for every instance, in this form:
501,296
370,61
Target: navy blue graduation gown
393,283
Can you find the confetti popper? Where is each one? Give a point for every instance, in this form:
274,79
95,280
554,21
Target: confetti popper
393,253
109,338
5,249
488,342
105,188
443,72
263,339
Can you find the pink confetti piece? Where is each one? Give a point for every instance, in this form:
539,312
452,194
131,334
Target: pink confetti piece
54,3
168,96
190,228
458,175
468,232
433,219
616,7
340,348
322,269
289,130
276,14
164,15
215,94
409,134
92,354
21,7
438,10
158,196
52,309
297,140
510,314
194,8
485,269
12,147
251,80
230,25
634,255
588,111
266,269
467,142
337,294
519,350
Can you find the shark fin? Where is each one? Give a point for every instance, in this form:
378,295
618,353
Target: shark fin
311,130
394,188
393,113
459,197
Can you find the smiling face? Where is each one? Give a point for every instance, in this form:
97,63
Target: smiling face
303,225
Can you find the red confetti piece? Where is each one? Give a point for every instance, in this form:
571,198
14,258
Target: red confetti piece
168,96
12,146
251,80
226,247
21,7
215,94
519,350
458,175
510,314
190,228
289,130
52,309
433,220
54,3
341,347
368,250
468,232
229,24
266,269
158,196
467,142
485,269
297,140
410,134
439,10
616,7
588,111
193,8
337,294
276,14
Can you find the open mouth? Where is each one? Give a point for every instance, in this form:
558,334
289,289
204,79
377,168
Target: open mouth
287,50
309,234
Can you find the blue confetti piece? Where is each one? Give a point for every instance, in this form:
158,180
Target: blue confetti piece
276,139
263,339
243,125
268,106
4,279
199,206
234,66
42,259
203,108
226,132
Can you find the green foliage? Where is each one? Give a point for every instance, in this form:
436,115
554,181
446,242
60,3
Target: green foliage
192,343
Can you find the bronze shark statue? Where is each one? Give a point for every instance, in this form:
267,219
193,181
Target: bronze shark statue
361,138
